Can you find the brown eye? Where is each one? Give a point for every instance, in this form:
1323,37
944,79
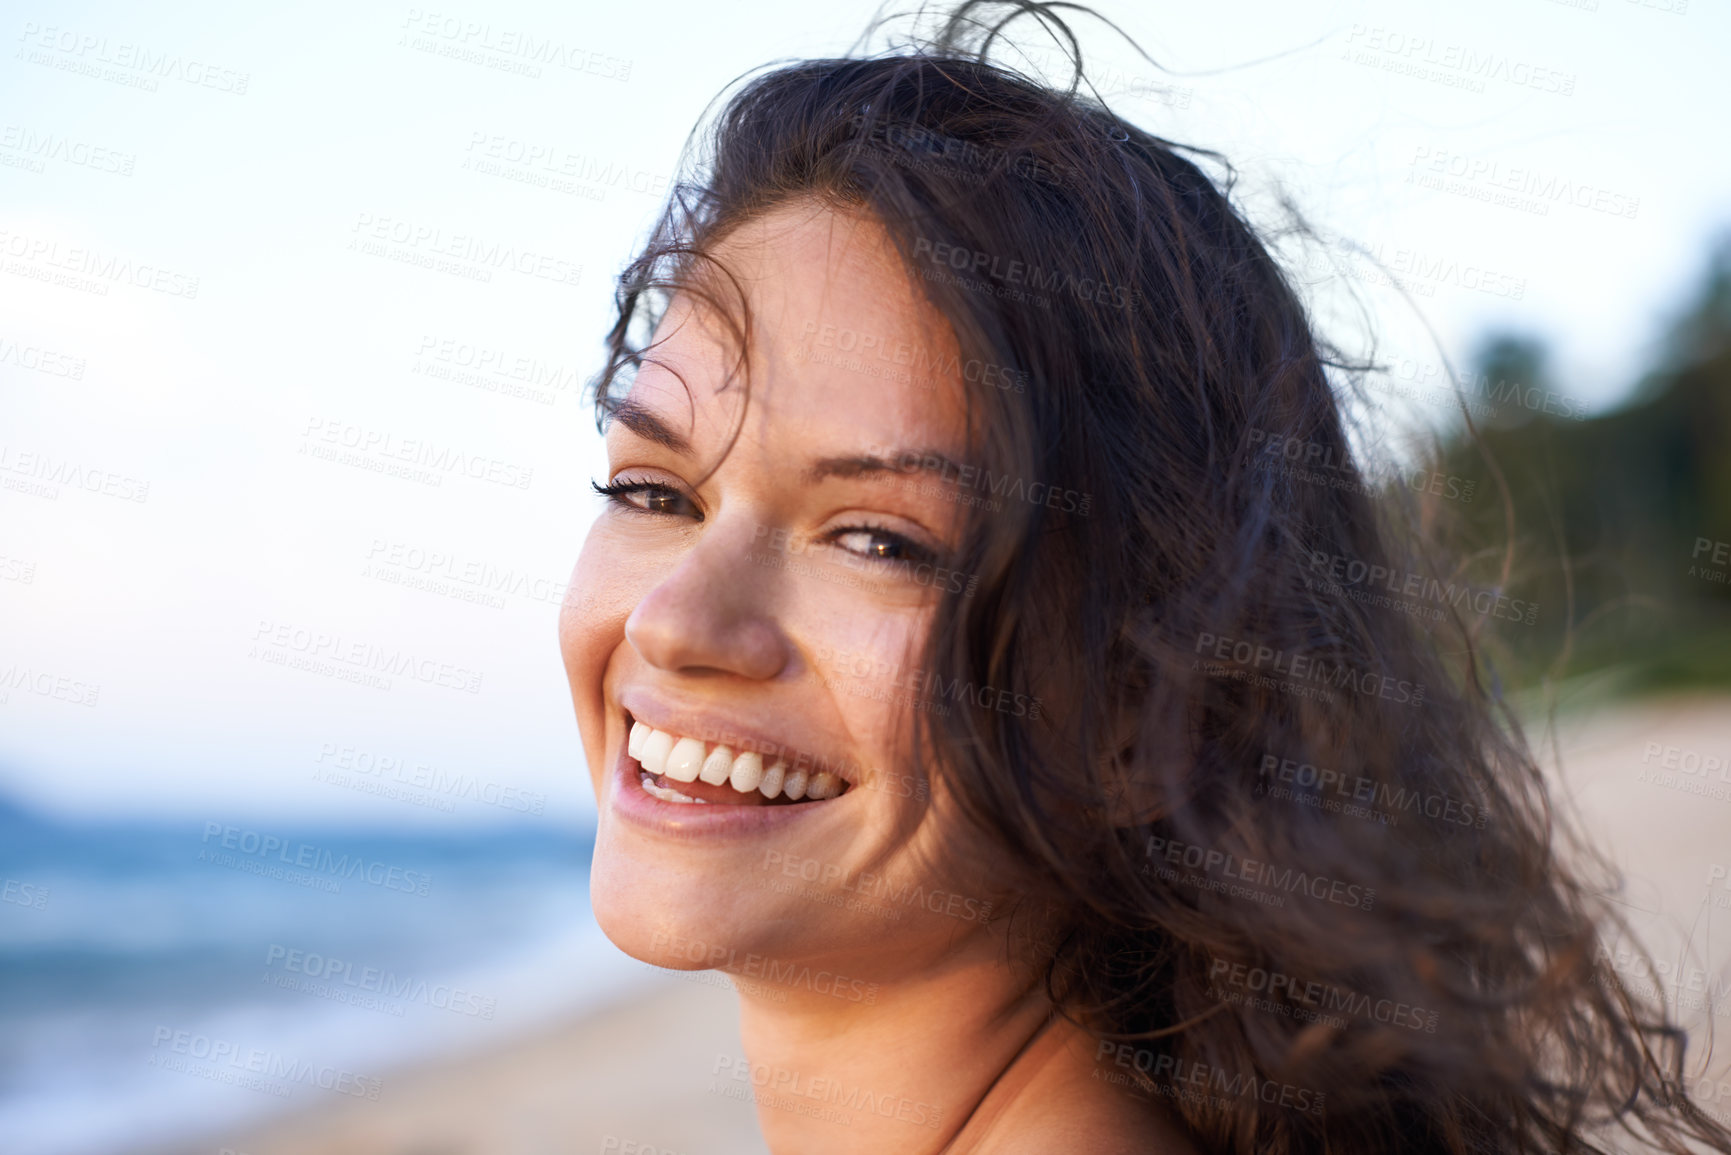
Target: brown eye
648,497
880,545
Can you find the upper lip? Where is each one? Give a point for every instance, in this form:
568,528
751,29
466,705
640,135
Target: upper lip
709,727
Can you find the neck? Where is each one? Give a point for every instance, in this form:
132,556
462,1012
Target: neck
907,1072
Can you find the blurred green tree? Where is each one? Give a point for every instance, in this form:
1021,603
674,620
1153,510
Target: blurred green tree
1617,517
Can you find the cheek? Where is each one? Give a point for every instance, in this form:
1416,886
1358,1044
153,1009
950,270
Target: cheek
591,630
869,659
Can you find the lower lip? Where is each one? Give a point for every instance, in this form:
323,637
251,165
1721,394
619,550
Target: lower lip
637,806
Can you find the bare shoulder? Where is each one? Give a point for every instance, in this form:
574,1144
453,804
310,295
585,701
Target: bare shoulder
1111,1123
1070,1104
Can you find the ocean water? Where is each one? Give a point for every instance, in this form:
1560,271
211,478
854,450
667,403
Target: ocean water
164,982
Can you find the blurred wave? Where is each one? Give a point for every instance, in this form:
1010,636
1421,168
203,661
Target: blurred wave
162,979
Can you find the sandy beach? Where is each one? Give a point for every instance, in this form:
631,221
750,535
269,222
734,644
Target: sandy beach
633,1077
1651,783
636,1077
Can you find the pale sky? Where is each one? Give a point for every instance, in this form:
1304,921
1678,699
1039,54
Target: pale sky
303,164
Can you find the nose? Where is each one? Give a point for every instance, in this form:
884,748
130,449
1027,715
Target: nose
713,613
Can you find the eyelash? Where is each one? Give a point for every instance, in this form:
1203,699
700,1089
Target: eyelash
619,493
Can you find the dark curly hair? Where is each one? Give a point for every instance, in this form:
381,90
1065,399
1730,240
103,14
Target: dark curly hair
1193,890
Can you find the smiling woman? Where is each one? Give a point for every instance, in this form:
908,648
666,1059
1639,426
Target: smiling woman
949,675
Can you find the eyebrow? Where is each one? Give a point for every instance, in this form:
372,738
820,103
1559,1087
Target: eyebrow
870,464
638,418
642,421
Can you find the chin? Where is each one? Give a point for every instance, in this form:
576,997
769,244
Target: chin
680,919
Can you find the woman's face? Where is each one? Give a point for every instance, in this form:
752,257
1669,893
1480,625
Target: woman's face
776,606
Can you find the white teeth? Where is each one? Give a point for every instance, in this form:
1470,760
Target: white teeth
747,772
673,758
655,750
667,793
771,784
684,760
717,766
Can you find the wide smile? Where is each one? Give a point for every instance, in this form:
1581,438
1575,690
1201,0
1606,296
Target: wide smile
681,769
720,777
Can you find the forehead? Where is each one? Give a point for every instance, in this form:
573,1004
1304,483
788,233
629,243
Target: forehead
841,339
